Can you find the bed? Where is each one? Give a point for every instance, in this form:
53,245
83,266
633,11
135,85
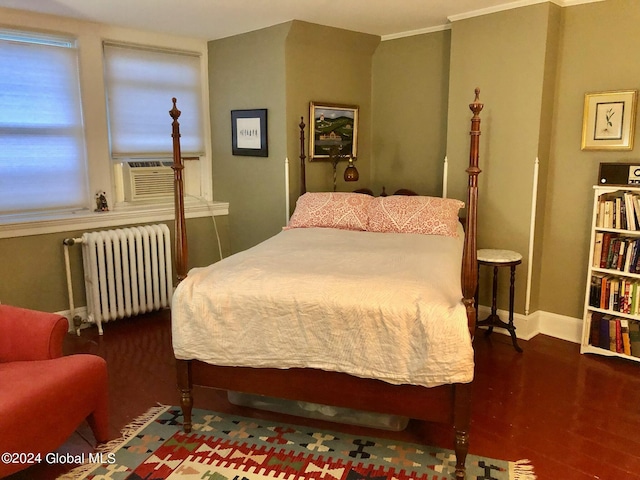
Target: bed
342,308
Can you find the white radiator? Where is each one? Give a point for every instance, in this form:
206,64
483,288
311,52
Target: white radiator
127,271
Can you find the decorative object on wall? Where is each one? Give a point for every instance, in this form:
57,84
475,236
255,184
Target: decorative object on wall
609,120
333,126
249,133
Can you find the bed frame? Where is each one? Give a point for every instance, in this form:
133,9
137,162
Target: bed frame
450,404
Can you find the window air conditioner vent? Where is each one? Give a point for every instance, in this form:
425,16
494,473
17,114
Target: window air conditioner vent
147,180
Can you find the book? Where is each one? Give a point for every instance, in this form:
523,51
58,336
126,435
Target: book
626,297
607,221
632,248
597,249
621,255
606,246
594,337
630,210
612,335
634,338
604,332
636,205
605,291
623,295
614,294
626,341
612,254
600,215
595,289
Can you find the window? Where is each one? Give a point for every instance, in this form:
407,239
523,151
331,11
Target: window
140,84
42,150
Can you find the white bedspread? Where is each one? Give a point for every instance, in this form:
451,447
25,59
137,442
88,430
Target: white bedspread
375,305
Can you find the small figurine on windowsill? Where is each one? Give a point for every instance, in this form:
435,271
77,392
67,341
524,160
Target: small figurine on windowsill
101,202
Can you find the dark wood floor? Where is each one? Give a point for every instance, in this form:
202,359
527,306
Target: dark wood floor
576,417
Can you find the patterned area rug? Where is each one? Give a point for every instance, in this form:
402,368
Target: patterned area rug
227,447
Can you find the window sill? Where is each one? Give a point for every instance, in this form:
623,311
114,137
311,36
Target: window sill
20,226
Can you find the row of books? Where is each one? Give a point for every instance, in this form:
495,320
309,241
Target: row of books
615,252
615,334
617,294
619,210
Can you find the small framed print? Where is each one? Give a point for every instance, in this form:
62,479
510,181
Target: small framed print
249,133
609,120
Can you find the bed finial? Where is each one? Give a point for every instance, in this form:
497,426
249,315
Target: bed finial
303,176
476,107
174,112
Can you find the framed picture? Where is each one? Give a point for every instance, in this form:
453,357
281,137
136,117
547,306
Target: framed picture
609,120
249,133
334,128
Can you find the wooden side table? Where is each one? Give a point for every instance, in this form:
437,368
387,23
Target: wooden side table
497,259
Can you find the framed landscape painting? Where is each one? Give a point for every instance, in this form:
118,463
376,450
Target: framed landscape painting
609,120
334,130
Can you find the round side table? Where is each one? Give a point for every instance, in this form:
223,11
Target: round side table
496,259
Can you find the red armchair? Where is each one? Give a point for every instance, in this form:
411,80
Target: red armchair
45,396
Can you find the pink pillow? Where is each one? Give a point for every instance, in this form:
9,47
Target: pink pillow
331,210
414,214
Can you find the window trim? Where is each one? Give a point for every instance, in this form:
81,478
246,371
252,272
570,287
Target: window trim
90,37
27,225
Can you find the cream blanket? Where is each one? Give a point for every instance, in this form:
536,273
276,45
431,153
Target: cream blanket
375,305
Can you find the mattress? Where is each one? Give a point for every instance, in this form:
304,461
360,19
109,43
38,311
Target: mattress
375,305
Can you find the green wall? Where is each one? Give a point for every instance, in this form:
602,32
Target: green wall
410,99
329,65
596,54
248,72
282,68
505,54
33,269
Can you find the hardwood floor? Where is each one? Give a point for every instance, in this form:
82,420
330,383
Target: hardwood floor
576,417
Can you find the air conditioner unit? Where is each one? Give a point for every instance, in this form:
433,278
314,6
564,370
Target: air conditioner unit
147,180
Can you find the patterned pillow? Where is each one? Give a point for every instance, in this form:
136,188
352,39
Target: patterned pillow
331,210
414,214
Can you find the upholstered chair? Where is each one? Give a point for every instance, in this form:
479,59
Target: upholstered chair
45,396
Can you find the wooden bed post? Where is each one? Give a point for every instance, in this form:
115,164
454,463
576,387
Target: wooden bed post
462,392
182,255
180,224
303,176
469,259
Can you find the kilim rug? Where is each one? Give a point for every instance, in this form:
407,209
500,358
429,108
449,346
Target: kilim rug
227,447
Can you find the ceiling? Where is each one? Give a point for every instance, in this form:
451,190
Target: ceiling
213,19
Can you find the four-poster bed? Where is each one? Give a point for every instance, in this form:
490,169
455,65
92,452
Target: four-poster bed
417,390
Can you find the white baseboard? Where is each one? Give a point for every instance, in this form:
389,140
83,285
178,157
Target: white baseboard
546,323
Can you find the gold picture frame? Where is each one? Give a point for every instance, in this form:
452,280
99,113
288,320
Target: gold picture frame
333,126
609,120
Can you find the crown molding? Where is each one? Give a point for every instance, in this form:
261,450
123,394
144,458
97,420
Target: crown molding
411,33
485,11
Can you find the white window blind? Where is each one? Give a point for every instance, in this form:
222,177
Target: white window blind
140,85
42,151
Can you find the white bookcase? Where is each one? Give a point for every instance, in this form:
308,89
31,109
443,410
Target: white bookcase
612,298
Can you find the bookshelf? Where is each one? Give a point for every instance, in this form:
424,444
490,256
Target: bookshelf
611,323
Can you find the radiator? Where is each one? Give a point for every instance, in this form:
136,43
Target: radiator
127,272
